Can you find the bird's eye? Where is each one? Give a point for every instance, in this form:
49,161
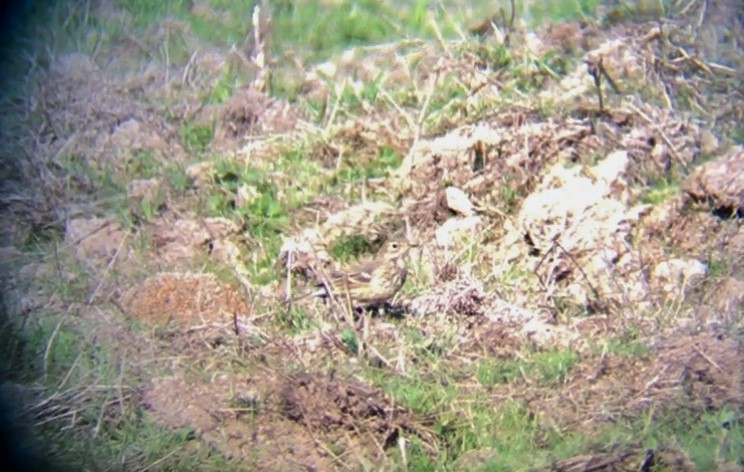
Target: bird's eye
394,245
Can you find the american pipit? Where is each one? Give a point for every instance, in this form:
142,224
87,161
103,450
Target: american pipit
371,283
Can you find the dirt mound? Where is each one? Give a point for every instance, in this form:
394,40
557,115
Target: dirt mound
180,238
334,404
91,113
96,240
249,113
186,300
322,422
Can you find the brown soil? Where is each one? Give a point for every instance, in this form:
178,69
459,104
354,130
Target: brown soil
557,200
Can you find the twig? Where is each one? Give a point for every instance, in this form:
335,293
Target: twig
97,429
185,77
419,123
69,371
597,76
50,342
705,356
398,108
581,270
439,36
260,51
336,105
161,460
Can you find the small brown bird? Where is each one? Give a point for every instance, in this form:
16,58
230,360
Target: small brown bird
371,283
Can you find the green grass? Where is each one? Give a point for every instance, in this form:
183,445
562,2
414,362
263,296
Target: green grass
545,367
354,171
196,137
104,429
518,438
660,191
223,89
468,404
717,267
417,391
630,348
261,199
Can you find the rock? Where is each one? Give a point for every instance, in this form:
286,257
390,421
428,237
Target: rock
221,227
248,113
727,299
458,201
132,135
576,226
462,296
719,184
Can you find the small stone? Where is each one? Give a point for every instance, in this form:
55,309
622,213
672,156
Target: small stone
458,201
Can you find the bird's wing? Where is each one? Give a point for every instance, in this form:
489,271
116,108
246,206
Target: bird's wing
363,272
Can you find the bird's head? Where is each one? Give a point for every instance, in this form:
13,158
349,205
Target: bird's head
396,249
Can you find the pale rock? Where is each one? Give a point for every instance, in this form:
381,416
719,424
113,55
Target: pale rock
94,238
544,334
719,183
577,225
510,313
326,70
458,201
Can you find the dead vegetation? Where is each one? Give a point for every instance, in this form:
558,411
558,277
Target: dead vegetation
579,275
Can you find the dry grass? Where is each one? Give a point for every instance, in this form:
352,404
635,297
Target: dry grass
542,326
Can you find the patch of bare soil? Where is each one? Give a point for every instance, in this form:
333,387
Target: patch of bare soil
283,422
99,117
178,238
186,300
96,240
